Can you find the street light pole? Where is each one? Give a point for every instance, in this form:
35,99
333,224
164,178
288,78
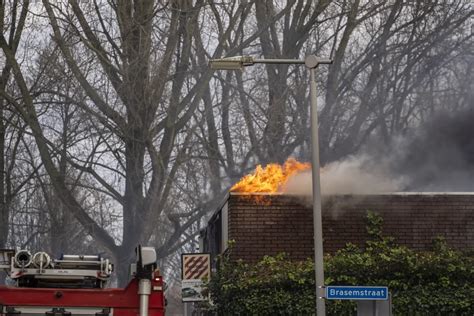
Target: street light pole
311,62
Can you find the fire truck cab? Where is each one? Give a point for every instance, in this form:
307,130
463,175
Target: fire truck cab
76,285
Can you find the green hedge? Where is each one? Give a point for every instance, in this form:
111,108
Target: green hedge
439,282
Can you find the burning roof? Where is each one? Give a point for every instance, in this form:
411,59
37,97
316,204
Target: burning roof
270,179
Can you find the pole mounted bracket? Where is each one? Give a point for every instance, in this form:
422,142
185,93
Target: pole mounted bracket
311,61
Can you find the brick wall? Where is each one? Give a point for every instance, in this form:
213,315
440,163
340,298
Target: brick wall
284,224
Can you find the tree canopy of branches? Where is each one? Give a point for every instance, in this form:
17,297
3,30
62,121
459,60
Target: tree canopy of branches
135,138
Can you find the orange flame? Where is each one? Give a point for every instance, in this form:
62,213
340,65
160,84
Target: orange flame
271,179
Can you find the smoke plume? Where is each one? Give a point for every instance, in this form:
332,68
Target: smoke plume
436,156
439,156
350,176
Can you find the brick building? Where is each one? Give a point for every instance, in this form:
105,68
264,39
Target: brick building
279,223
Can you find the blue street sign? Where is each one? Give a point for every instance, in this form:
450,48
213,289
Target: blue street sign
356,292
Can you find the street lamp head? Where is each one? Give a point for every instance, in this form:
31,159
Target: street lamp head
231,63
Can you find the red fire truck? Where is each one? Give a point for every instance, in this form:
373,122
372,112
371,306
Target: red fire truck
76,285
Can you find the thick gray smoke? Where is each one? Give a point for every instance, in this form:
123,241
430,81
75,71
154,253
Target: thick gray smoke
350,176
437,156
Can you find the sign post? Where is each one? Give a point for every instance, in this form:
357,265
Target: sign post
196,267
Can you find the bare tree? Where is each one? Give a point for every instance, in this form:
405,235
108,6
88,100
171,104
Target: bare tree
384,53
12,27
140,103
407,44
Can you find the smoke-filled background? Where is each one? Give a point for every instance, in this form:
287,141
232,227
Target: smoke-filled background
436,156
